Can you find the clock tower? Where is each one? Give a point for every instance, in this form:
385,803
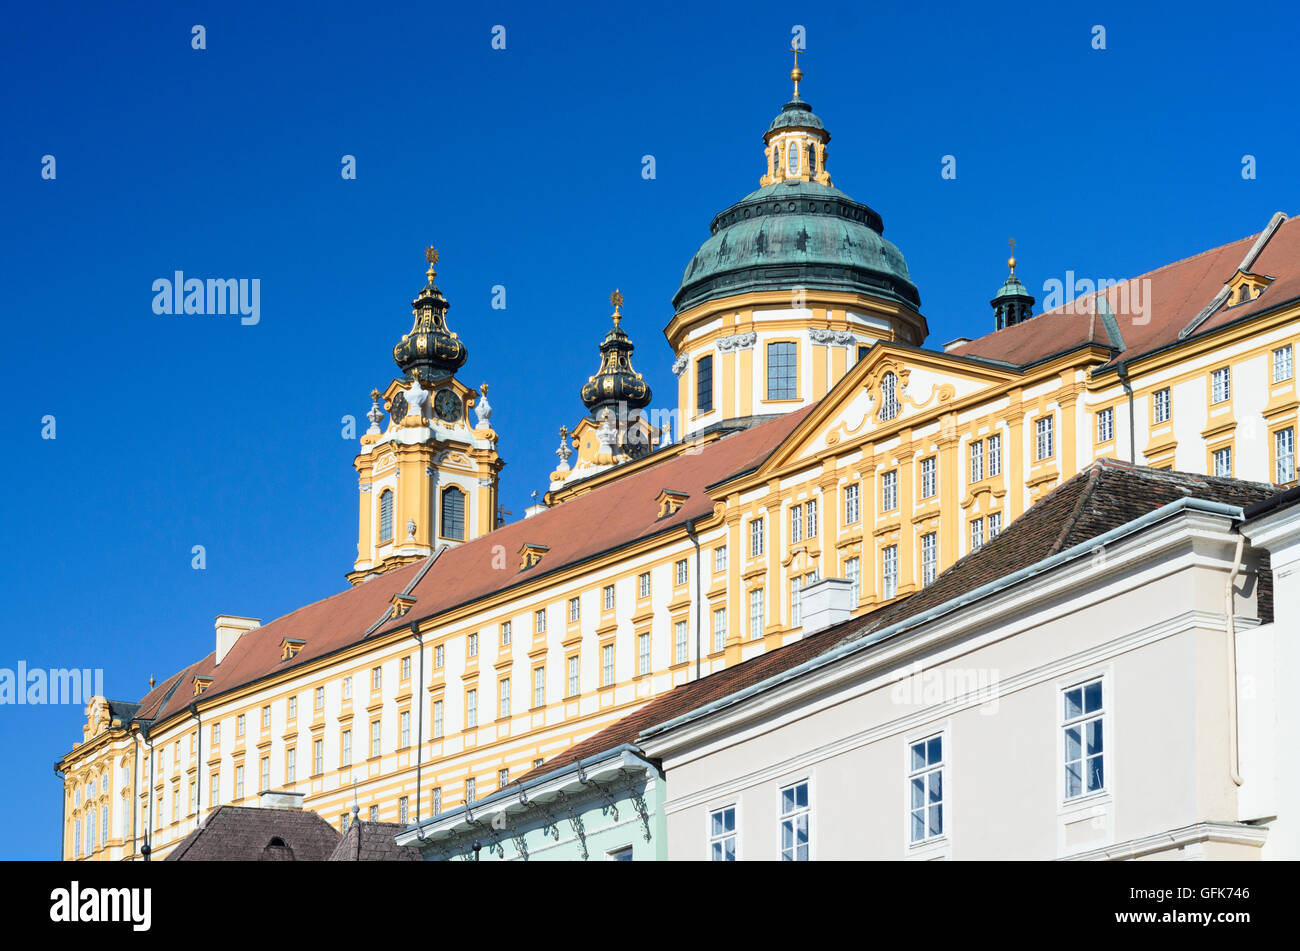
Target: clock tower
428,478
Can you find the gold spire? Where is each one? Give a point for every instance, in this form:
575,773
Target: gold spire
431,255
1011,261
616,299
796,74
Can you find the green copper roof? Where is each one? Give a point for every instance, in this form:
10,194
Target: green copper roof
1011,287
796,234
797,114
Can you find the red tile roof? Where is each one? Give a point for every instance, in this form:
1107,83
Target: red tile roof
608,517
1177,293
246,834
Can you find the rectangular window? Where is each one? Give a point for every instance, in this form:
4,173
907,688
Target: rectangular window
472,646
853,573
406,668
704,384
608,595
795,816
374,813
343,823
719,629
682,571
469,790
889,491
607,665
239,782
375,745
995,455
505,633
643,654
437,801
755,538
320,693
1043,448
995,525
266,779
266,718
403,811
216,734
471,709
376,677
404,729
1221,385
1161,405
720,559
851,512
976,534
929,477
643,584
782,371
437,718
1284,455
796,603
1082,728
679,642
929,558
176,790
1106,425
539,621
810,527
239,725
439,656
347,749
214,790
573,609
756,614
575,681
889,571
503,698
539,687
293,707
1223,462
317,757
977,460
722,835
347,688
1282,364
796,523
925,789
503,778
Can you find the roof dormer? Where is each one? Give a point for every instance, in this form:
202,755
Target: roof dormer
530,554
290,646
1245,286
670,500
201,684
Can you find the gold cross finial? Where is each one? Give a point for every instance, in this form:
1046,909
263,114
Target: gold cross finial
796,74
564,431
1011,261
431,255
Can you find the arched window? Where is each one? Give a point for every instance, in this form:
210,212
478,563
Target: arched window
453,513
386,516
793,153
888,396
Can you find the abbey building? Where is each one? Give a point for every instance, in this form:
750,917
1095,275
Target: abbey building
819,435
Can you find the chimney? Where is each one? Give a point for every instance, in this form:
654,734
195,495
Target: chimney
229,629
279,799
825,603
952,345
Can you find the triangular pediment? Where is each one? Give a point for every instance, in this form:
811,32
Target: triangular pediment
893,387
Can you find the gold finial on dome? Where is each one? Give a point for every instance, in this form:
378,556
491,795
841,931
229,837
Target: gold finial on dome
796,74
431,255
616,299
1011,261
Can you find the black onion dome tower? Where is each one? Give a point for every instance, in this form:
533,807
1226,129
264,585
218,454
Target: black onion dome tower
615,382
430,347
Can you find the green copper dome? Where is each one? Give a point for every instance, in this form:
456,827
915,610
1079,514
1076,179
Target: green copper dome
797,114
796,234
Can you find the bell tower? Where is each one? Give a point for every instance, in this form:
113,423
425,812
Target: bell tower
429,477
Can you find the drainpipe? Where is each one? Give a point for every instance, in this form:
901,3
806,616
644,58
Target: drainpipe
198,773
63,810
690,531
148,831
1233,765
419,730
1122,370
135,788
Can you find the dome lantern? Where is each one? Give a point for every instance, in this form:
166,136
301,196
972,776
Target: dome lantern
615,382
431,347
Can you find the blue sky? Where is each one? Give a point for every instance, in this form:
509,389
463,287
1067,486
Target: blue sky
523,166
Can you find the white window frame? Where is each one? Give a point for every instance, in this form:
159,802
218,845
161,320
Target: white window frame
924,771
643,654
607,665
977,460
889,491
995,455
1162,400
852,504
1283,364
757,612
1220,385
929,558
1044,438
1222,454
1284,456
853,572
1065,722
1105,425
929,477
889,571
719,839
783,817
681,642
719,629
756,537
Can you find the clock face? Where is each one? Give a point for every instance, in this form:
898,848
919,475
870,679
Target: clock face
397,408
447,405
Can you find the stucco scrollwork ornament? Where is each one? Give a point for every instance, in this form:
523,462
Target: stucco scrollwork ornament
680,364
742,341
833,338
